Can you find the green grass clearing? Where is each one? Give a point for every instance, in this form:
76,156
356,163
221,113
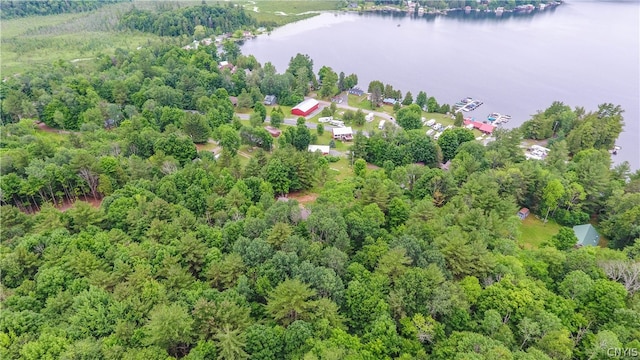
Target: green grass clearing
341,169
534,232
283,12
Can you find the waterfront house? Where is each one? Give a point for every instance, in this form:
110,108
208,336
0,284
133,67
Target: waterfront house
225,65
389,101
356,91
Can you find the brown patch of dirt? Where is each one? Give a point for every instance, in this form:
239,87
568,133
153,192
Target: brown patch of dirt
303,198
46,128
201,147
371,166
66,205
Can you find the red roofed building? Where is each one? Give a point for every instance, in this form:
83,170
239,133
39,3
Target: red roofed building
306,107
273,131
486,128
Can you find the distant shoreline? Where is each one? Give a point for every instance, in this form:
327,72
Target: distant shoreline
413,10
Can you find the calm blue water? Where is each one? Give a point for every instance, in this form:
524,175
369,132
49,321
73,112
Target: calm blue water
581,53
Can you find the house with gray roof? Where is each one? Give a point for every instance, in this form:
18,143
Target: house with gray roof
587,235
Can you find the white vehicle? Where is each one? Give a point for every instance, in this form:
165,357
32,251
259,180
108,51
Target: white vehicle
325,119
381,124
431,122
369,117
437,126
436,136
430,132
337,123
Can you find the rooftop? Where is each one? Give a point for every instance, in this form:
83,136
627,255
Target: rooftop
323,148
587,235
342,131
306,105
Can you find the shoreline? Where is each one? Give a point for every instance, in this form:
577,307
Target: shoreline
412,9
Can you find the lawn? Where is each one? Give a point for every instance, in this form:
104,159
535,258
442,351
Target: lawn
341,169
286,110
326,138
534,232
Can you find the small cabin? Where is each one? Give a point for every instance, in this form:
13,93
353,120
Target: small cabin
523,213
587,235
270,100
273,131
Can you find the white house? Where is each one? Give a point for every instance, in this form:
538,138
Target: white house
343,133
324,149
369,117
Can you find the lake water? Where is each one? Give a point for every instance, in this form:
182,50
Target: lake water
580,53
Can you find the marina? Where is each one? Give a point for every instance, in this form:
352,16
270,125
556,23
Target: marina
467,104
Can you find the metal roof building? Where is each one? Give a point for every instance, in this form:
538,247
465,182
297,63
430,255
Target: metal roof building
306,107
587,235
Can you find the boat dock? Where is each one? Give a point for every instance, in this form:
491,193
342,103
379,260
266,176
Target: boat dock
497,118
467,104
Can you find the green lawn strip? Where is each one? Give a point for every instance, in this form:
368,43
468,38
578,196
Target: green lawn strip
360,102
534,232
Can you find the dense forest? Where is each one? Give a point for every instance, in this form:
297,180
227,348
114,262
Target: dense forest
16,9
119,239
217,19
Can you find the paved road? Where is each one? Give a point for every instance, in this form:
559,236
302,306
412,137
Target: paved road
294,122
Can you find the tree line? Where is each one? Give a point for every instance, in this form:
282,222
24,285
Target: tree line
17,9
176,22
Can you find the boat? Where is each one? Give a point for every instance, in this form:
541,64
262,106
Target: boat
615,150
493,116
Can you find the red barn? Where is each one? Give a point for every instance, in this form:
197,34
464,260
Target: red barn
306,107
